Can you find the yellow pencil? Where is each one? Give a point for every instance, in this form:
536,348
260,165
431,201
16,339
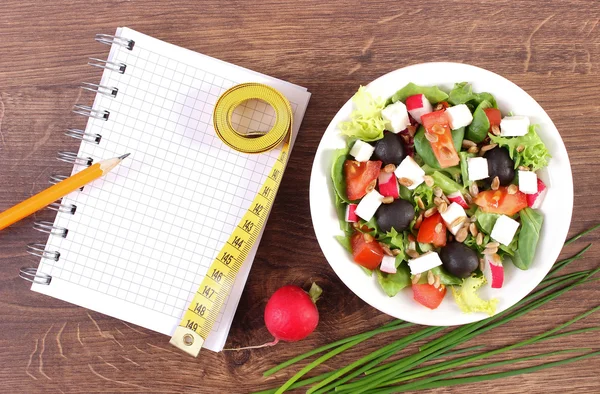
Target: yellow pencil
56,192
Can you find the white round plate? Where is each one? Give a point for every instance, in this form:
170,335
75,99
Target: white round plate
557,206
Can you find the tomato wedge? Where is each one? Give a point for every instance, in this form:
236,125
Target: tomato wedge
500,201
427,233
358,176
439,135
366,253
494,116
427,295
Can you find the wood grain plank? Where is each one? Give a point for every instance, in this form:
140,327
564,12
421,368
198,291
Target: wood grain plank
551,49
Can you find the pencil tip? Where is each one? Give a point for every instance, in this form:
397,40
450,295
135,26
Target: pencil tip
124,156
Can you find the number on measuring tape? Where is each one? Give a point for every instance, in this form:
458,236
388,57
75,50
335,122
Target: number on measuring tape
201,315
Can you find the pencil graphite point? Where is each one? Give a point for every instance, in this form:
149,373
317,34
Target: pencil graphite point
124,156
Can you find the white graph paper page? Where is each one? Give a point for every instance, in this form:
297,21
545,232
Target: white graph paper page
143,237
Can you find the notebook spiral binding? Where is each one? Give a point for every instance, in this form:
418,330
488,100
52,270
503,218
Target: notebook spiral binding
31,274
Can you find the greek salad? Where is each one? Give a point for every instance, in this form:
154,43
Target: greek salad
439,189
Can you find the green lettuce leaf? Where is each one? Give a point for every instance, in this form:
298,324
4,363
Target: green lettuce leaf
393,283
468,300
426,194
445,277
535,155
433,93
445,183
345,242
365,121
478,129
337,173
486,221
531,225
464,168
462,93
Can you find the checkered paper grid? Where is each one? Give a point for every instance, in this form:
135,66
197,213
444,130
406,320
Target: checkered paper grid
147,232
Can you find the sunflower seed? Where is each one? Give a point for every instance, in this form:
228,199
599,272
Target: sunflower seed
439,227
387,200
520,148
439,107
405,182
431,137
473,229
479,239
461,235
396,252
430,212
495,183
356,225
436,282
492,245
512,189
386,249
420,203
495,129
473,219
437,191
482,264
428,180
523,168
371,186
468,144
412,253
468,198
368,237
443,207
438,129
415,279
438,200
473,149
488,147
418,221
489,251
389,168
473,189
457,221
430,277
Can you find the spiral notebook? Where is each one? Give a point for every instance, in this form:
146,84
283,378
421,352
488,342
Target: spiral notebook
136,244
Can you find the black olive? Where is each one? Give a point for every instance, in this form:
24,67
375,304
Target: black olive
458,259
398,215
500,165
390,149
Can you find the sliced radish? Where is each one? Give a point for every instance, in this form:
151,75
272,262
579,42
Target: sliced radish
388,264
458,198
417,106
494,270
388,185
535,200
351,216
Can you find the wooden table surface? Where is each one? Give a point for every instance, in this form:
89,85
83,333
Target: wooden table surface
551,49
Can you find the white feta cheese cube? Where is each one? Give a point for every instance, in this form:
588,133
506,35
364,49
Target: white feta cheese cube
478,168
453,212
395,117
409,169
459,116
368,205
424,263
504,230
528,182
514,126
362,151
388,264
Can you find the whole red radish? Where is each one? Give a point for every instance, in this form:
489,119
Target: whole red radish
291,314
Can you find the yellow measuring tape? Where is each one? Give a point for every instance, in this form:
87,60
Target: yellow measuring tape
202,312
